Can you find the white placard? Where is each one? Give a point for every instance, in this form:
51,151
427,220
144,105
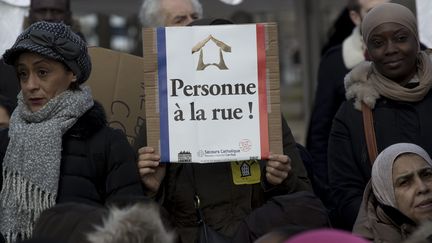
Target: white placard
210,108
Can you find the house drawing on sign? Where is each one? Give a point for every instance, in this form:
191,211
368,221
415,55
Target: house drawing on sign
245,169
222,47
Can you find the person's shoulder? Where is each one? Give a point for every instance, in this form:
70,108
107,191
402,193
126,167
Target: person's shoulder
348,105
428,51
97,114
347,109
333,59
90,122
332,52
3,133
4,141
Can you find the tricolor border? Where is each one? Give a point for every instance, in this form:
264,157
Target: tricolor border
163,92
262,90
163,97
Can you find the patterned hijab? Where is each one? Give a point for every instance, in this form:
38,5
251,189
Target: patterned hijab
382,170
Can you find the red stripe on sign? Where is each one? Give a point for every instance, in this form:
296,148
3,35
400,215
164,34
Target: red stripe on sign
262,90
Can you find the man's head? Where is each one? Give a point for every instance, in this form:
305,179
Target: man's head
156,13
50,11
359,8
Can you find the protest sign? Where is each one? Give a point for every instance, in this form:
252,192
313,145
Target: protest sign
424,18
116,81
212,92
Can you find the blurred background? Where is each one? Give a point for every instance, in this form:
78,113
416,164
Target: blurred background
306,29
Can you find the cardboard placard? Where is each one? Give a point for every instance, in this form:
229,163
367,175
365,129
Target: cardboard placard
117,83
186,92
424,18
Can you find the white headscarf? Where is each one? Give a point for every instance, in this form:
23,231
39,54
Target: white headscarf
382,170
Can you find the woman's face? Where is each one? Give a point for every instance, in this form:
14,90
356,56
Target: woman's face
41,79
393,49
412,181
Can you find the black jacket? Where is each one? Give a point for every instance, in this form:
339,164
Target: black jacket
98,165
349,165
330,94
224,204
9,83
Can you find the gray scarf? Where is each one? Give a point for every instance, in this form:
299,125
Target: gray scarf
31,166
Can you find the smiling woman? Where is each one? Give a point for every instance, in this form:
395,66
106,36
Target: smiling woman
394,51
399,195
394,87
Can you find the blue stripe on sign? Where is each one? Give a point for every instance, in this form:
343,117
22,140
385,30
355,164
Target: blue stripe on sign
163,95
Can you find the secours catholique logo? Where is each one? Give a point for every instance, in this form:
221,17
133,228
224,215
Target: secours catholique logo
222,48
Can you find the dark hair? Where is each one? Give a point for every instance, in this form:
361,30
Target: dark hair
73,85
67,4
66,17
6,103
354,5
210,21
242,17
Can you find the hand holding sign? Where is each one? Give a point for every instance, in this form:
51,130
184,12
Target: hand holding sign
277,168
208,89
151,172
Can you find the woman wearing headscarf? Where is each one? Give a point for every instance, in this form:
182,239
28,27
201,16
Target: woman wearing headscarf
59,147
399,195
395,86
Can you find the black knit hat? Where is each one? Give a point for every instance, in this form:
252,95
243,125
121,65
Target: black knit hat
56,41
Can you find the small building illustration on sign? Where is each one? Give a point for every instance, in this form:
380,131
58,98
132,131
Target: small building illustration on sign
245,169
184,157
222,47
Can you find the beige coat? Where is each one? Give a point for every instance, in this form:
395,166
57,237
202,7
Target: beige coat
374,224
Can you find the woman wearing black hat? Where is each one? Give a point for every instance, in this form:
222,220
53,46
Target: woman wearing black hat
60,148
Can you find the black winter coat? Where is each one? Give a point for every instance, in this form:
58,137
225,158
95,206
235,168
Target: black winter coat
330,94
9,83
349,165
224,204
98,164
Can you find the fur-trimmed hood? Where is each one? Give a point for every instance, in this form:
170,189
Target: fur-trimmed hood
423,234
353,49
140,223
381,223
357,87
89,123
366,84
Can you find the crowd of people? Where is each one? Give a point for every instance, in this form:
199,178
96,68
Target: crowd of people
365,175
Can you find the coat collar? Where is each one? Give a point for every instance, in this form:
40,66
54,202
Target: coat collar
89,123
380,222
353,49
